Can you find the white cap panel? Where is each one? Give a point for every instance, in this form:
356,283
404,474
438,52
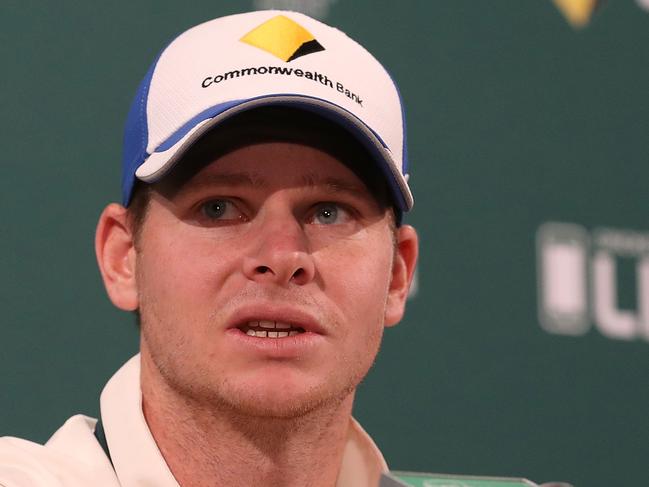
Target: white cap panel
213,49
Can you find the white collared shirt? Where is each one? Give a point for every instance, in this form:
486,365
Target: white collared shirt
73,457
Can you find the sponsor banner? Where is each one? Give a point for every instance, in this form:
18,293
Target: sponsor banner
579,279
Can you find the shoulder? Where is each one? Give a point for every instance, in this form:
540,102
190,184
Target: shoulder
72,457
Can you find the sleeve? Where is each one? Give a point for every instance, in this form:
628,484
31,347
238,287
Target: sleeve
22,465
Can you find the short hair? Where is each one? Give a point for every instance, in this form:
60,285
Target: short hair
137,208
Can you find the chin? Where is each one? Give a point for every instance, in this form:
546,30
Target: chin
281,400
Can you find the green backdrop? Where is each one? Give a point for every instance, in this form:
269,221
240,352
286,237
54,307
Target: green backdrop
525,349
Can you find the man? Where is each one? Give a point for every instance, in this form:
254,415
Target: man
260,242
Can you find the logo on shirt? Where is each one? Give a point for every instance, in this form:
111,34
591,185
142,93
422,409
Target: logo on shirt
283,38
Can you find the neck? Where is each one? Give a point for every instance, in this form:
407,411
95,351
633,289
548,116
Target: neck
205,445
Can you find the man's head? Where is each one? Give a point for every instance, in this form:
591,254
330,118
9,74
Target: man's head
265,260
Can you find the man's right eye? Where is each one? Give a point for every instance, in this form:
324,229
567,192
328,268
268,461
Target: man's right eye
220,209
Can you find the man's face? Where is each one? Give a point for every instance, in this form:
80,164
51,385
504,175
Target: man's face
265,278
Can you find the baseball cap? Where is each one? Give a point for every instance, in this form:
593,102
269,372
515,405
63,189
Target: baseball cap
231,64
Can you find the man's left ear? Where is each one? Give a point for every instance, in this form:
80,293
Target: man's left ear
403,270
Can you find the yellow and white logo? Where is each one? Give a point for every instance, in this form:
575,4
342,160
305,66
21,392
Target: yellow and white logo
283,38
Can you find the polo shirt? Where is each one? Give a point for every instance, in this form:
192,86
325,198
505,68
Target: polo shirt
73,457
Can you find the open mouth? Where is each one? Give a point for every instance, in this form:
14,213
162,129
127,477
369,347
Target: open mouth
270,329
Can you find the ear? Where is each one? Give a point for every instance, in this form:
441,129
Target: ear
403,270
115,249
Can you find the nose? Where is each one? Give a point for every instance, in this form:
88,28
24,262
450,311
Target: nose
280,255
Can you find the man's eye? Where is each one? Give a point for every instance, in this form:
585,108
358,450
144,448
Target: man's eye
220,210
330,213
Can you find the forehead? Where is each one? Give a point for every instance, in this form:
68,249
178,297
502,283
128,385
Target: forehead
323,149
277,163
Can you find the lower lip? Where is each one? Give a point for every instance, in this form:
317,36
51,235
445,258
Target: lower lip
277,348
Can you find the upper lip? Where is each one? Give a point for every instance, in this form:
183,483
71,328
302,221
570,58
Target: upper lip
272,312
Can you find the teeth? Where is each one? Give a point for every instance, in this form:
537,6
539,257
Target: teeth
270,329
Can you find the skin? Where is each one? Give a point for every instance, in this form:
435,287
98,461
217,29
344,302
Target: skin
298,238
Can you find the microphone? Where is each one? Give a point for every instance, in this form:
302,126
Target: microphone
417,479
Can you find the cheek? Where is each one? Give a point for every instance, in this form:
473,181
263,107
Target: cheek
181,268
164,275
178,282
356,276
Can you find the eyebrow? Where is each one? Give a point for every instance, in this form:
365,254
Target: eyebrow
231,179
332,185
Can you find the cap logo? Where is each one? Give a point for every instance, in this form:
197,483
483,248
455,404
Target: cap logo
283,38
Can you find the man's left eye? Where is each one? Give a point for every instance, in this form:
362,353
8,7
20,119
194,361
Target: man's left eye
329,214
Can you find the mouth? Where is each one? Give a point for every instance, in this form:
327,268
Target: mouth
270,329
277,332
